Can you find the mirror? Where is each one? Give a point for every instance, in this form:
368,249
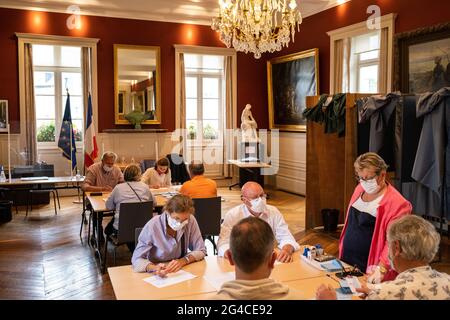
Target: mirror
137,82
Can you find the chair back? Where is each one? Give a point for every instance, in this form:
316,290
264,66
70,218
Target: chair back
208,213
133,215
178,169
147,163
137,232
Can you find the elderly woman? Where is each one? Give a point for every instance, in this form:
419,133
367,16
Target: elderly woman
413,243
133,190
165,240
159,176
373,206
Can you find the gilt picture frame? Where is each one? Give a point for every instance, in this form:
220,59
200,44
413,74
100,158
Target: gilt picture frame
291,79
4,116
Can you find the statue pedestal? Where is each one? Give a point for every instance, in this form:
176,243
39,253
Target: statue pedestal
251,151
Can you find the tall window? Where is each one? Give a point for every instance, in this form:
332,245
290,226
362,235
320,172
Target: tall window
204,78
365,63
57,69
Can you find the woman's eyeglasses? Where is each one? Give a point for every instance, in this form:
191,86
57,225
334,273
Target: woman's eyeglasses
359,179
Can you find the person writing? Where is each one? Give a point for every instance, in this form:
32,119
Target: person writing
169,241
373,206
254,205
413,242
199,186
103,176
159,176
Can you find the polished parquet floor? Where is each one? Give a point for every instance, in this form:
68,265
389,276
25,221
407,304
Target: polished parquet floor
42,256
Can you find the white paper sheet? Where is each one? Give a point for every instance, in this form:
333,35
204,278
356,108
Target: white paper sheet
171,279
218,280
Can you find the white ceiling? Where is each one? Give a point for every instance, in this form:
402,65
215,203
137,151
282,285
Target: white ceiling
186,11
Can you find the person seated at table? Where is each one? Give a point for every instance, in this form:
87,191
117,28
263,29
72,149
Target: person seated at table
133,190
413,242
199,186
373,206
159,176
171,240
252,253
254,205
103,176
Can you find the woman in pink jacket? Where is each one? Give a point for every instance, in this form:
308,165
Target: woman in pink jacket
373,206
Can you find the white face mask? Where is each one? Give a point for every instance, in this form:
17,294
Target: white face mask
107,168
258,205
370,186
176,225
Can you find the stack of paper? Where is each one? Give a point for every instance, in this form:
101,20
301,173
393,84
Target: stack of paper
170,279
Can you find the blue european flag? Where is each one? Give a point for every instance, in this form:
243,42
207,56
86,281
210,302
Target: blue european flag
65,134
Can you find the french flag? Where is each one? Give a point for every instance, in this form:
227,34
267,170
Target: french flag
90,142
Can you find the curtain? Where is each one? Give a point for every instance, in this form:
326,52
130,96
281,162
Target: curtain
86,76
338,66
383,71
30,112
228,134
182,113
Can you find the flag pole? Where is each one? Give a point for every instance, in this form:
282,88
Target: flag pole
71,169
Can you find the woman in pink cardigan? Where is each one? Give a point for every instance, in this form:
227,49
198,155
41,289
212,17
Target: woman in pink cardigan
373,206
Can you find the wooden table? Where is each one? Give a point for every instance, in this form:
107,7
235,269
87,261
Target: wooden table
249,171
99,210
128,284
72,182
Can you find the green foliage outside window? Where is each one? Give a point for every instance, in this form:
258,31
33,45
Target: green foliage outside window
209,132
46,133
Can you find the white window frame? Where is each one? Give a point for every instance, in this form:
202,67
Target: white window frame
39,39
59,104
366,63
386,21
200,141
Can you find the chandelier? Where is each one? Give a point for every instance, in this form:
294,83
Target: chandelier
257,26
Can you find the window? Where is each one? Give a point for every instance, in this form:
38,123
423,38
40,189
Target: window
365,63
57,69
204,104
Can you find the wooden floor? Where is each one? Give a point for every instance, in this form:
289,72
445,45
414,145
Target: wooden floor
42,257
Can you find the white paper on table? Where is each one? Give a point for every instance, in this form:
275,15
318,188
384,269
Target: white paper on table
218,280
170,279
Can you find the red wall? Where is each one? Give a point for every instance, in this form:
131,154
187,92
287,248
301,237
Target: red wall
121,31
412,14
252,78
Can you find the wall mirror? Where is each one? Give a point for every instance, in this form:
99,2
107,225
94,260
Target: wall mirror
137,79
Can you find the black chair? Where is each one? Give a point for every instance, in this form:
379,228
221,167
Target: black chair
208,213
178,169
146,163
132,215
137,232
42,170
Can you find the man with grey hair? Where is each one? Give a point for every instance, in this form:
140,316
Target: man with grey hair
254,205
413,242
251,252
103,176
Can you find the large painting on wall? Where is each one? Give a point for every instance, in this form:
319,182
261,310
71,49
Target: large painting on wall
423,59
291,79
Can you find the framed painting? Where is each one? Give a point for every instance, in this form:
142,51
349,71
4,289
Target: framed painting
3,115
423,59
290,80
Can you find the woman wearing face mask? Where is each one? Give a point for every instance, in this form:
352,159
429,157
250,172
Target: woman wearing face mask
159,176
169,241
373,206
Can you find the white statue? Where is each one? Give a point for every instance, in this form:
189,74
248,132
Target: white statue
248,125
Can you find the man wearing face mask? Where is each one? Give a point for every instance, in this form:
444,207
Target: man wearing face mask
373,206
413,242
103,176
254,204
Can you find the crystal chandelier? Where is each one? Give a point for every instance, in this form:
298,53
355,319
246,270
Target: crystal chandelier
257,26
